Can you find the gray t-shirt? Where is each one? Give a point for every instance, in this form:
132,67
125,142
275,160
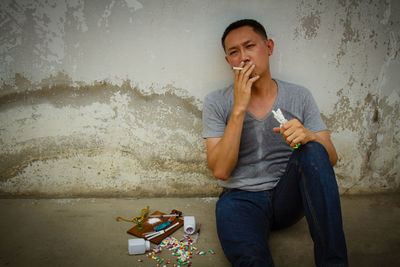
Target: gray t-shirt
263,154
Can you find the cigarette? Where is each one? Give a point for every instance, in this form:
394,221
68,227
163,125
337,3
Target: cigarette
155,235
172,226
237,68
150,234
165,215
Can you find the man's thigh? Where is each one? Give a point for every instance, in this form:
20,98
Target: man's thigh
289,195
243,225
287,203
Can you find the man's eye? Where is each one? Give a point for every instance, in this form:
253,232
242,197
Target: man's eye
232,53
250,45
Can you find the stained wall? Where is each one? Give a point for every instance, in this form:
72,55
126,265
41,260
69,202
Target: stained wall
104,98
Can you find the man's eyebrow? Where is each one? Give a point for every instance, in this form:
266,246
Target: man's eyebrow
244,43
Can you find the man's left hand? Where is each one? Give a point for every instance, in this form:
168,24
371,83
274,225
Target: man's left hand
294,132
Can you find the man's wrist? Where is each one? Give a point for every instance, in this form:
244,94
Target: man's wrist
312,137
238,111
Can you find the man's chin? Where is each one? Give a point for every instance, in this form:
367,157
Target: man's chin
253,74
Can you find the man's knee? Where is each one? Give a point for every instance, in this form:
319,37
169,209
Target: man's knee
313,153
313,148
315,166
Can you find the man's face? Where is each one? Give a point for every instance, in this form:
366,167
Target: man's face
245,45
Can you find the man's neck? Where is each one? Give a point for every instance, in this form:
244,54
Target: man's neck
263,95
264,87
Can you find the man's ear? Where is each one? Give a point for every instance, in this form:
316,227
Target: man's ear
227,60
270,46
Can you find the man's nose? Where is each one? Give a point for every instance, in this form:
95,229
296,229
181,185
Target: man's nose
244,57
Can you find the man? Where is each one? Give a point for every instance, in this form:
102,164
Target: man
267,183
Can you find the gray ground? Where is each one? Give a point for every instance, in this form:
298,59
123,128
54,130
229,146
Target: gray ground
83,232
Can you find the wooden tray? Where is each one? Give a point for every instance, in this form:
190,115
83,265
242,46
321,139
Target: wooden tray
149,223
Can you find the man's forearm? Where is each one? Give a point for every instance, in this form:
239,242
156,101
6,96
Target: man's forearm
324,139
223,157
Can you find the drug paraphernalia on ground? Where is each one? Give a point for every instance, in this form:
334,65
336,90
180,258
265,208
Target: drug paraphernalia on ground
197,232
162,226
138,220
148,226
164,215
182,249
189,224
150,236
138,246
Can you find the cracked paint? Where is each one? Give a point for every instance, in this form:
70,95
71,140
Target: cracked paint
112,139
309,16
309,25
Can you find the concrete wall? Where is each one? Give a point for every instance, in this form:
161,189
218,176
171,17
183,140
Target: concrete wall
105,97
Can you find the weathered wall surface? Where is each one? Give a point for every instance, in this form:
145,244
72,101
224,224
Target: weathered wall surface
105,97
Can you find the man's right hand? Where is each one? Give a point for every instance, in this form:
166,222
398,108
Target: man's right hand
242,86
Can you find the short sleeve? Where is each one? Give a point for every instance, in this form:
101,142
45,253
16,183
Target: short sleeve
312,115
214,120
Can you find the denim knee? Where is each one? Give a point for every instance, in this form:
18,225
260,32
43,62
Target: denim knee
312,153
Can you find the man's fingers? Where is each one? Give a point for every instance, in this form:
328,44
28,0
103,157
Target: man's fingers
289,139
288,132
293,140
277,129
293,132
245,73
292,123
296,141
238,71
296,137
253,79
243,79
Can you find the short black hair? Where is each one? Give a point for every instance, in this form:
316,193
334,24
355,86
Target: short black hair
257,27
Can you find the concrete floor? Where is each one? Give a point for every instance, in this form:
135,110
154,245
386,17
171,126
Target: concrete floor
83,232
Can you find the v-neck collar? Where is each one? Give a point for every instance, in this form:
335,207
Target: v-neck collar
272,108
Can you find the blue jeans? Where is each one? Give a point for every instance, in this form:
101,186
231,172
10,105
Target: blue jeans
308,187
